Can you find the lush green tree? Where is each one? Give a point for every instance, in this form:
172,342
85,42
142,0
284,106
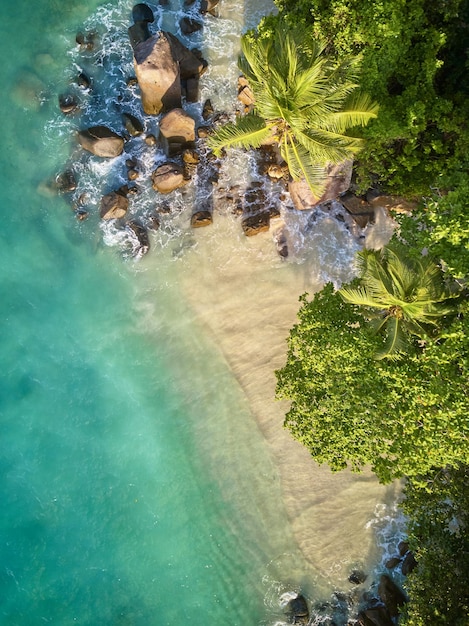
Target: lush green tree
437,507
303,103
401,418
403,297
415,57
441,226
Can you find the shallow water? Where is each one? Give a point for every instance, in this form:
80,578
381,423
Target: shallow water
146,478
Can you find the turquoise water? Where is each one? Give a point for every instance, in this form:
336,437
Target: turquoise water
124,497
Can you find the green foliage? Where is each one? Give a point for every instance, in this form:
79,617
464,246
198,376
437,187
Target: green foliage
403,297
441,226
437,506
307,103
415,58
348,409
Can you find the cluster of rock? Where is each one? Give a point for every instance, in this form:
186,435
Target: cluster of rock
378,605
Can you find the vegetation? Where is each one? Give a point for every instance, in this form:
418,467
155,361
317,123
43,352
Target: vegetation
303,103
414,64
402,296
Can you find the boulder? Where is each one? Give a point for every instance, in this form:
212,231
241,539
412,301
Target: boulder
392,562
101,141
391,595
66,182
68,103
158,74
168,177
141,235
201,217
393,203
245,94
114,205
138,33
83,81
189,25
142,13
209,6
376,616
177,131
361,210
191,64
409,563
297,610
132,124
255,224
190,89
337,179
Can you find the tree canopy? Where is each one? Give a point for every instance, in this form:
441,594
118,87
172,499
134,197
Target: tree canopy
303,103
350,410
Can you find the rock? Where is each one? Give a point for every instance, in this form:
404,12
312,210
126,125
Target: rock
189,26
191,63
86,41
131,81
297,610
392,562
361,211
141,234
391,595
133,125
357,577
68,103
168,177
203,132
190,89
245,94
66,182
83,81
409,563
158,74
277,172
177,131
132,174
393,203
101,141
207,109
138,33
142,13
151,140
403,547
202,217
190,156
376,616
209,6
255,224
336,180
154,222
114,205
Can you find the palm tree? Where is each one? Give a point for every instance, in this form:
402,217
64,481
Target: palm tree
303,102
404,297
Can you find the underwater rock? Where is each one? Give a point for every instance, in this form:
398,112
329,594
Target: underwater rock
297,610
68,103
66,182
357,577
141,234
101,141
83,81
391,595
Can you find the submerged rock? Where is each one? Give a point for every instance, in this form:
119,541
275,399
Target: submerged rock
141,235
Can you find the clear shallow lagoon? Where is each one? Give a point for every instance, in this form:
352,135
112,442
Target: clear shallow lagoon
137,487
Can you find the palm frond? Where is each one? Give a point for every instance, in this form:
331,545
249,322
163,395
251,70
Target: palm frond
396,343
300,165
249,131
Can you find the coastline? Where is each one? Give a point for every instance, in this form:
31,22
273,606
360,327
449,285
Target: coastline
250,330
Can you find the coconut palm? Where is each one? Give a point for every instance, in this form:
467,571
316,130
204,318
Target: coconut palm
303,103
403,297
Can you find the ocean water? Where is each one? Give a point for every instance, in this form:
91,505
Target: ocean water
138,484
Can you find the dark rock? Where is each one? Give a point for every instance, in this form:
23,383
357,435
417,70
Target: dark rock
114,205
361,211
66,182
392,562
357,577
132,174
255,224
168,177
209,6
201,218
191,63
141,235
83,81
189,26
297,609
131,163
154,222
101,141
391,595
86,41
132,124
376,616
409,563
67,103
81,214
207,110
403,547
142,13
138,34
203,132
190,88
132,81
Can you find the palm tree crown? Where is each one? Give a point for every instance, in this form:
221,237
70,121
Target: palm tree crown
303,102
406,297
